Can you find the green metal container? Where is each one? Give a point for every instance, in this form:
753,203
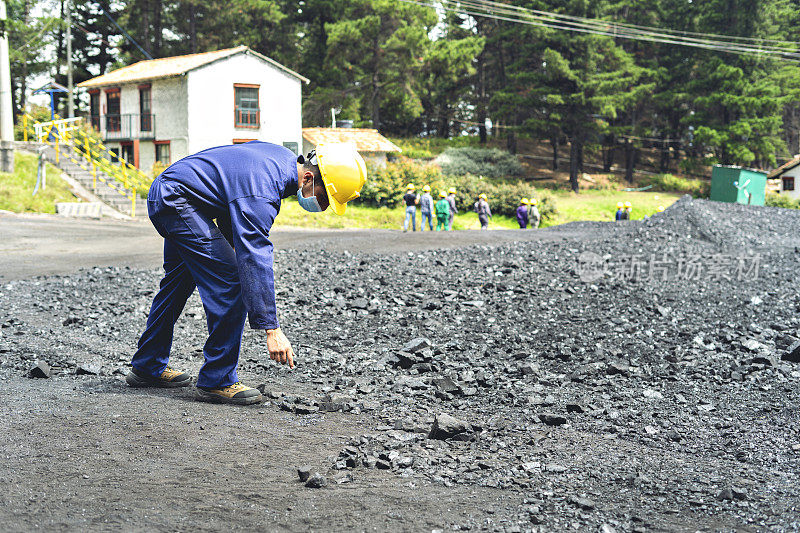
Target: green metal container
739,185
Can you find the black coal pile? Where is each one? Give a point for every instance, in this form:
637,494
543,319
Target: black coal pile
629,376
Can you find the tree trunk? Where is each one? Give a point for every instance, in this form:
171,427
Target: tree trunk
193,27
158,7
575,156
630,160
481,99
511,141
608,154
663,165
444,123
554,143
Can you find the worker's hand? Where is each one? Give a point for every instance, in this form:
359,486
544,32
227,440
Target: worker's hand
280,349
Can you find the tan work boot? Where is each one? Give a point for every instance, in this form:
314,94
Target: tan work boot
169,378
237,393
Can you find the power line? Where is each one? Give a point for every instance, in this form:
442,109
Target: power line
598,27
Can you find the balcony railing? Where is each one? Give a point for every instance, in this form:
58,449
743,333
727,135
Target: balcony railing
125,126
246,117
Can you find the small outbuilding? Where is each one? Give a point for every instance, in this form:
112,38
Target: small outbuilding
738,185
789,176
373,147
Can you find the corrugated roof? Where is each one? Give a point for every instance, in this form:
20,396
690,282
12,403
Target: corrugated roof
168,67
789,165
366,140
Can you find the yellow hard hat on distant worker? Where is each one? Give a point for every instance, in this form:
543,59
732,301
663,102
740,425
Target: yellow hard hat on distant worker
483,195
410,187
343,172
620,205
442,194
660,209
426,188
534,201
627,204
524,201
451,190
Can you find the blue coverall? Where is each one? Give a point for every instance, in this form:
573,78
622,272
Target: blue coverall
230,262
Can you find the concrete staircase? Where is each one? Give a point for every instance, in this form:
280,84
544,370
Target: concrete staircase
81,172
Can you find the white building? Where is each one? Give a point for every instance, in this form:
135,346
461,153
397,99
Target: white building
165,109
372,146
789,175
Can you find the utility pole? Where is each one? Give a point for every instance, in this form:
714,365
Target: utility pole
6,112
70,88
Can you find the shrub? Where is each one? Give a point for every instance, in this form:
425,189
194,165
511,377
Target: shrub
781,200
489,162
671,183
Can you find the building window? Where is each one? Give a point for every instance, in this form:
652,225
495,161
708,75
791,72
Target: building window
291,146
242,141
145,109
788,184
162,152
246,112
113,122
94,109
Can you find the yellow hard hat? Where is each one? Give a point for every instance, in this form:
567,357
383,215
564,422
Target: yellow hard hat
410,187
451,190
534,201
442,194
427,188
660,209
482,195
524,201
620,205
343,172
627,204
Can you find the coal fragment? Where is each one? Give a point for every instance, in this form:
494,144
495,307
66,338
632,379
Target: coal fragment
304,472
552,419
792,353
416,345
316,481
42,371
87,370
582,503
446,427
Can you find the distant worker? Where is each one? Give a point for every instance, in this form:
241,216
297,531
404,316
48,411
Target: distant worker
628,210
660,209
522,214
426,208
442,212
215,210
483,210
451,199
533,213
620,214
411,199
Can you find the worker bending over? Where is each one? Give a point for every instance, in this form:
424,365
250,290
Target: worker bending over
214,210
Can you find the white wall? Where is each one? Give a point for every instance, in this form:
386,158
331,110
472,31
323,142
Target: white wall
795,173
170,107
211,103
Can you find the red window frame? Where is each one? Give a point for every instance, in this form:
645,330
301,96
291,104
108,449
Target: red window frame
253,116
242,141
114,121
788,183
169,147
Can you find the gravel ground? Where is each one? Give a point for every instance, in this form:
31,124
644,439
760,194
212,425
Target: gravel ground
612,377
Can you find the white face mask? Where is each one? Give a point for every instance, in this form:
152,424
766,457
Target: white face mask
310,204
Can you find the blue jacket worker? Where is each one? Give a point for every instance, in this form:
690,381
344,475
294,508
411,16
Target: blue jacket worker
522,213
426,208
214,210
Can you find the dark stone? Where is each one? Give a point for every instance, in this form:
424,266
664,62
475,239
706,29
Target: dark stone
304,472
316,481
42,370
382,464
792,354
445,384
447,427
552,419
575,408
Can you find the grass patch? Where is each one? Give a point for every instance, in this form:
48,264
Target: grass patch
671,183
430,147
16,188
601,205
